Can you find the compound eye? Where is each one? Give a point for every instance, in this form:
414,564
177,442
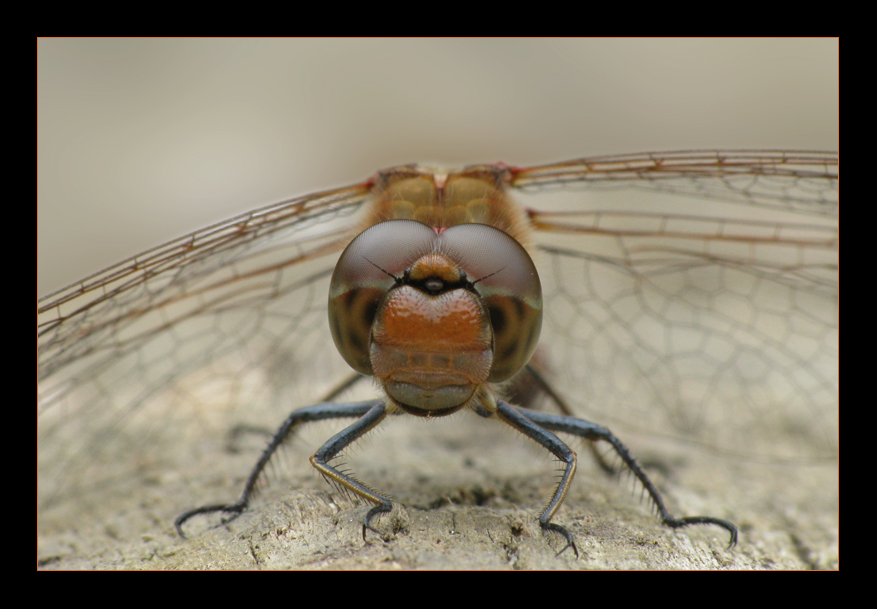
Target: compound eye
506,278
501,272
365,272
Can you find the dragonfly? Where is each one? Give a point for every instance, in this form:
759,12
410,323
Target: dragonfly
688,296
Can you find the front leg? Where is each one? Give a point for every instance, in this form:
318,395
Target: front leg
339,442
590,431
515,417
318,412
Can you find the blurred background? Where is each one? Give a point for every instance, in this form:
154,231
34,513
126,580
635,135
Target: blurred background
142,141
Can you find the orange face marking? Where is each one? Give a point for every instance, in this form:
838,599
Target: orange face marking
435,265
432,340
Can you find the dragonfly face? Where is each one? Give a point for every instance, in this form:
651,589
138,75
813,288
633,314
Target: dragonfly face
711,328
436,318
435,307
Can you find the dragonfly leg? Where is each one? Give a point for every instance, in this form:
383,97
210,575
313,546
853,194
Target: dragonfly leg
539,378
318,412
516,418
593,432
239,431
339,442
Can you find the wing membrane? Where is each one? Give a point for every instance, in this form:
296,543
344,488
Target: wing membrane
802,181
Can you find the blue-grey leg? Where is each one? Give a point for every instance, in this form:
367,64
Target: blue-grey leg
590,431
317,412
339,442
517,418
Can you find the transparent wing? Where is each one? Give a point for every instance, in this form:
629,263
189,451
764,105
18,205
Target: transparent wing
224,326
694,296
688,295
800,181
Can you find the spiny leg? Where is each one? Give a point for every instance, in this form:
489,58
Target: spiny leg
318,412
515,417
590,431
239,431
555,397
339,442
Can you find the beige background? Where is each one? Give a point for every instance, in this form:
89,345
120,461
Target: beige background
141,141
